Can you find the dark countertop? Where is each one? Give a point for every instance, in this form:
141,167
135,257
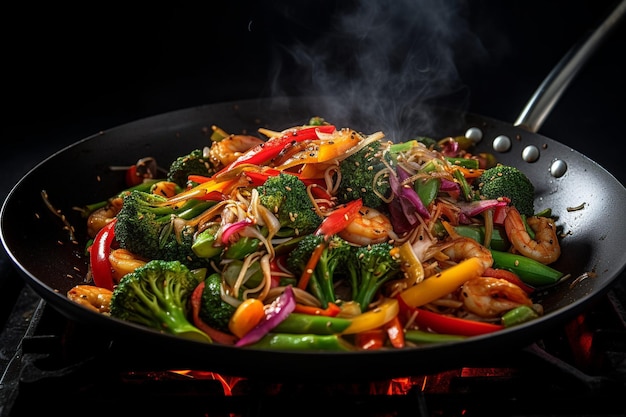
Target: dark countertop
82,72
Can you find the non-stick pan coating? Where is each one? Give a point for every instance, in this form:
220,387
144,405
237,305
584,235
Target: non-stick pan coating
40,246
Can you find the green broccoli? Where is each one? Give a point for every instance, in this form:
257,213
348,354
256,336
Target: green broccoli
152,230
369,268
156,295
510,182
358,176
214,311
331,263
286,196
194,163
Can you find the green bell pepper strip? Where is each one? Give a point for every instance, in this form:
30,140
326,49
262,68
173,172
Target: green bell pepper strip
421,336
518,315
243,247
530,271
302,342
299,323
206,244
464,162
466,189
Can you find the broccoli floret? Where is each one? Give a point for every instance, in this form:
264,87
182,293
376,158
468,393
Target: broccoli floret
152,230
214,311
510,182
286,196
369,268
156,295
329,266
358,176
193,163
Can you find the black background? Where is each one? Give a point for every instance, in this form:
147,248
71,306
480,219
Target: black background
71,72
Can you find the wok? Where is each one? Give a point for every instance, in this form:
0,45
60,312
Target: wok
41,249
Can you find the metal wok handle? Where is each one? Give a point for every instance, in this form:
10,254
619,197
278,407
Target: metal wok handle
553,86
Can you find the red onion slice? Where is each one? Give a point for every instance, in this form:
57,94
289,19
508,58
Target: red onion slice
275,313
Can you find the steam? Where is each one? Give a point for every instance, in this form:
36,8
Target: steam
380,59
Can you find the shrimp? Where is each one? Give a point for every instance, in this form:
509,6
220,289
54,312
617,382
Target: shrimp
370,226
464,247
123,262
225,151
489,297
94,298
544,248
100,217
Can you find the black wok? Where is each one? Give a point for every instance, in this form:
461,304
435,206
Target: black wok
587,199
40,246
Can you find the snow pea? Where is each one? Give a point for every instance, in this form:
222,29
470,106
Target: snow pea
307,323
530,271
302,342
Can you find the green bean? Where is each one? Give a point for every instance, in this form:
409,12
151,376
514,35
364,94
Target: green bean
518,315
302,342
420,336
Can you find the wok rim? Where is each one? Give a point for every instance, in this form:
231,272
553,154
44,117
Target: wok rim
520,336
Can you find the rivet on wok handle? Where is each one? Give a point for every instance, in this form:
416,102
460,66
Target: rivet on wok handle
530,153
474,134
501,143
558,168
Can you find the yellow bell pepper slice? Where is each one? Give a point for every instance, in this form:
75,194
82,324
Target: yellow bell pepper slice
381,314
410,263
445,282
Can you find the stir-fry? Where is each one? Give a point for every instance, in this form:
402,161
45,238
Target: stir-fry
321,238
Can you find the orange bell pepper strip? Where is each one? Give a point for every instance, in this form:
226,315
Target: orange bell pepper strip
330,311
339,144
305,277
247,315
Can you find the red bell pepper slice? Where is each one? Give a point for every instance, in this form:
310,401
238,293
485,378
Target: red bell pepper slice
509,276
99,253
216,335
266,151
132,178
336,221
446,324
395,332
373,339
258,178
